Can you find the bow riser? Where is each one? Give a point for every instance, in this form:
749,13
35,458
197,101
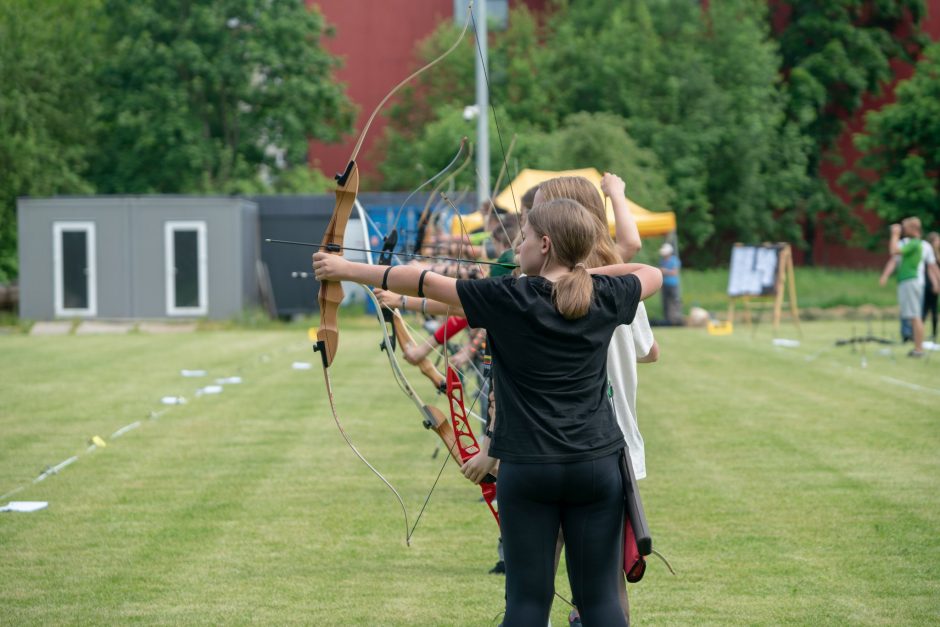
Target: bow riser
331,292
467,444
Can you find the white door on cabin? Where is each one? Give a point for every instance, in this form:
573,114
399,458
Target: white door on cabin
75,278
187,268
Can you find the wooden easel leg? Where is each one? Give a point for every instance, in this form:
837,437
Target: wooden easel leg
794,309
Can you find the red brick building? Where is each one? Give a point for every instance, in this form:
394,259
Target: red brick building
376,40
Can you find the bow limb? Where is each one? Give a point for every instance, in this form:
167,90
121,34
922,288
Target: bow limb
410,77
426,213
433,418
401,502
331,292
394,229
425,365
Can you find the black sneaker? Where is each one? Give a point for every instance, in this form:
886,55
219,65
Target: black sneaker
499,569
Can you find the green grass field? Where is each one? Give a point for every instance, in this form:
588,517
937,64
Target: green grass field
817,288
786,486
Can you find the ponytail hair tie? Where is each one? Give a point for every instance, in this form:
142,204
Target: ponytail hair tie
580,264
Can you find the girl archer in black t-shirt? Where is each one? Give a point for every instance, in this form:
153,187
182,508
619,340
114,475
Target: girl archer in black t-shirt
555,434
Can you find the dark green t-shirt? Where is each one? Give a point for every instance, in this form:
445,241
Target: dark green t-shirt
912,254
506,257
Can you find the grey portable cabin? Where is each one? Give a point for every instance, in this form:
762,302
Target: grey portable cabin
137,257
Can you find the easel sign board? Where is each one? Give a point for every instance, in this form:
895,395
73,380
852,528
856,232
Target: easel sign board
754,270
762,273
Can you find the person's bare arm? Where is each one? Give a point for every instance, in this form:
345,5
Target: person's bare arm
400,279
651,279
627,234
477,467
894,246
933,273
423,305
888,270
651,356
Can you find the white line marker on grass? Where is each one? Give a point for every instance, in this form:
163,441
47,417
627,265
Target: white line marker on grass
910,386
125,429
56,469
11,493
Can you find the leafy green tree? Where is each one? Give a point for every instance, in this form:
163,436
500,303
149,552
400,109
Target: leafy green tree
899,175
698,92
834,53
600,140
206,96
47,102
837,51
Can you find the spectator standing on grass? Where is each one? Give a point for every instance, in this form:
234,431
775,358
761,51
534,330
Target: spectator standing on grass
917,259
930,291
670,265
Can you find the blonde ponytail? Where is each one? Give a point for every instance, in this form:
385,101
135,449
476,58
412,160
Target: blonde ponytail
572,231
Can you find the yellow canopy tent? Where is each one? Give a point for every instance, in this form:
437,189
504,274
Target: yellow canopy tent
650,223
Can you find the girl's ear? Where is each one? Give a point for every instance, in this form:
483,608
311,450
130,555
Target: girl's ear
546,244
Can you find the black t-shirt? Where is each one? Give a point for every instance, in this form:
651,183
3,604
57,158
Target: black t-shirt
549,373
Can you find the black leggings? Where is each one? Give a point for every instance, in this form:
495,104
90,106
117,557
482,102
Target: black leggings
586,499
930,307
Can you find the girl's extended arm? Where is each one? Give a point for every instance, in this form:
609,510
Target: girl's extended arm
400,279
651,279
424,305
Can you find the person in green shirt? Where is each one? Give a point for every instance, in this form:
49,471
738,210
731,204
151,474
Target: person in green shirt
916,263
503,237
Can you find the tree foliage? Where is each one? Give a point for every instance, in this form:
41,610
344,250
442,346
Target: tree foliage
46,106
633,86
837,51
206,96
148,96
899,175
834,53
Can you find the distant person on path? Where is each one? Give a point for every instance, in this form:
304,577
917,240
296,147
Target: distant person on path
917,259
670,265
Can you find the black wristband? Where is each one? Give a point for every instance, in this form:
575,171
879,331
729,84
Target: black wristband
421,283
385,278
488,433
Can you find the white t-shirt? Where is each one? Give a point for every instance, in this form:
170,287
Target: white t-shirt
629,343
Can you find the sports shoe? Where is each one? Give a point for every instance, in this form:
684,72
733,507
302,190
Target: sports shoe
574,619
499,569
915,354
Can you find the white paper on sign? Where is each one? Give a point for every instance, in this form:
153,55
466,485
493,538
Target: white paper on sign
24,506
302,365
